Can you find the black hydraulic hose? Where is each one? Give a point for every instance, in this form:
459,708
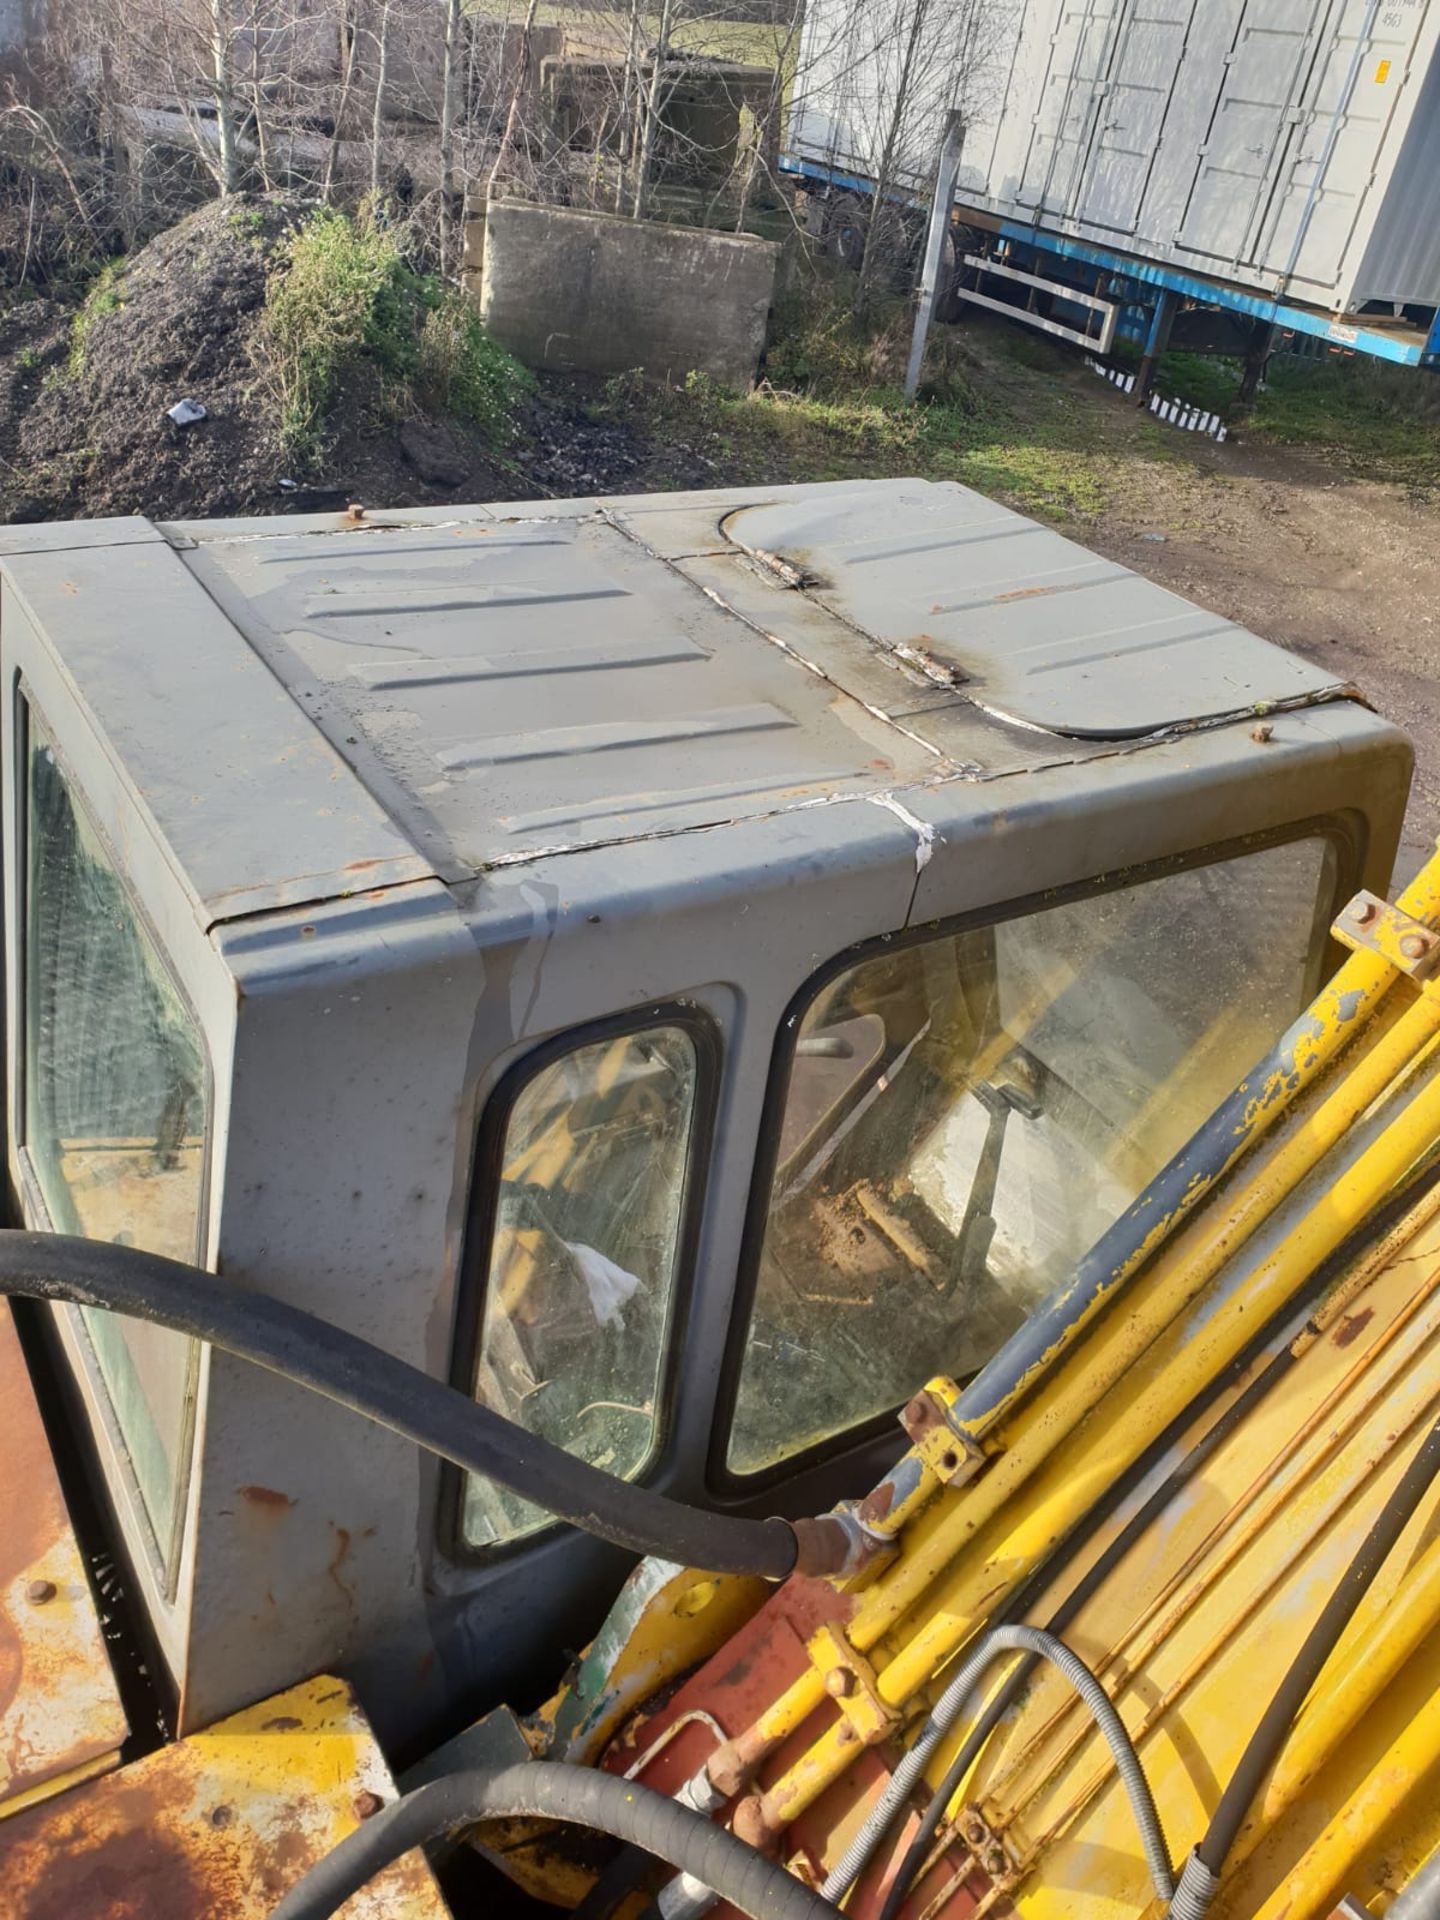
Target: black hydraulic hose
551,1790
352,1372
1304,1670
1382,1222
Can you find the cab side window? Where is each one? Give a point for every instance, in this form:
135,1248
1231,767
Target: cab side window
115,1109
965,1116
584,1252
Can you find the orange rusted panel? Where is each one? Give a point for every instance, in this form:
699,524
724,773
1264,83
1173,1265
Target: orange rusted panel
216,1827
60,1714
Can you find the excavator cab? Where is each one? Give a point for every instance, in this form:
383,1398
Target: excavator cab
682,971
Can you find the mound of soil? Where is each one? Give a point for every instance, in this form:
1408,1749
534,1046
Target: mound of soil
93,437
87,434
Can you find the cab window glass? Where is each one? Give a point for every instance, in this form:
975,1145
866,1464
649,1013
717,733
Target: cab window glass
583,1259
964,1118
115,1098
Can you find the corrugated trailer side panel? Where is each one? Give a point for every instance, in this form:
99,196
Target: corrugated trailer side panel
1308,123
1402,260
1285,145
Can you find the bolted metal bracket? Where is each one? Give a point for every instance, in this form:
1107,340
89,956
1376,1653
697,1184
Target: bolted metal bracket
988,1846
951,1455
851,1684
1371,925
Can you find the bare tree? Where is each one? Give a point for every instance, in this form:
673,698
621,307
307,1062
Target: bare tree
224,95
510,138
451,71
377,115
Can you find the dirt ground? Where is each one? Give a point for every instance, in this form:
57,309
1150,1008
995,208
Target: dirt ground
1345,571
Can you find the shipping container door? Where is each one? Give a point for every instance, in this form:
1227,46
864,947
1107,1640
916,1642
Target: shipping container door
1079,62
1310,220
1134,102
1270,58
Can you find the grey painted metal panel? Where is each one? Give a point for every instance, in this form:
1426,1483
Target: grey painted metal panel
1134,105
61,536
507,686
1070,105
1401,260
1285,145
1264,74
256,809
550,684
1035,627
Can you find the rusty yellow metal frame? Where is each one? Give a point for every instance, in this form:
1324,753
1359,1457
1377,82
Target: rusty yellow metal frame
224,1822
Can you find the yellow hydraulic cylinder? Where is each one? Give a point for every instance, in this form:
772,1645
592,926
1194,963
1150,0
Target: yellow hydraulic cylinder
1127,1345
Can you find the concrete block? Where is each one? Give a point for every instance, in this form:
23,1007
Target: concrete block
588,292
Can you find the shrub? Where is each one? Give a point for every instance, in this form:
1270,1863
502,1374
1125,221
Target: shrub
333,296
342,296
463,371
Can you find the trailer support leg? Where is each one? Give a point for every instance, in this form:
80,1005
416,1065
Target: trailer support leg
1156,342
1257,356
947,167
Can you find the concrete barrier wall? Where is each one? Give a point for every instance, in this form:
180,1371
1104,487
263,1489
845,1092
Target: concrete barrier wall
587,292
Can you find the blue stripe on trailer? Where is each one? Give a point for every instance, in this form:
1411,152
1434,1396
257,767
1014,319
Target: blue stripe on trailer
1152,273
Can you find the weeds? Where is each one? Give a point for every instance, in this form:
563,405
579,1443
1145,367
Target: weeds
106,295
1374,419
462,370
342,297
324,307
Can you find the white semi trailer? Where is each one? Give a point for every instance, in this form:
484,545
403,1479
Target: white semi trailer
1274,158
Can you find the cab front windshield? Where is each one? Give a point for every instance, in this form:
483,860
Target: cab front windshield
965,1117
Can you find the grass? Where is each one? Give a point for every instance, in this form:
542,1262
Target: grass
341,297
1015,416
832,407
106,295
1373,419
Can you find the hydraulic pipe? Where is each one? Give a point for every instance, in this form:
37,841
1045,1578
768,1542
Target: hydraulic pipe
962,1605
1403,1625
92,1273
1200,1881
947,1710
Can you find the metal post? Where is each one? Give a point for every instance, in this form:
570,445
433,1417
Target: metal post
1257,358
947,167
1156,342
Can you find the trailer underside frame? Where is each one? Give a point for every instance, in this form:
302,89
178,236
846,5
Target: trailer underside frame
1139,287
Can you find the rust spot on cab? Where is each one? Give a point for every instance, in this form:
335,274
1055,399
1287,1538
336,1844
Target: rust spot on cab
268,1499
1024,593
